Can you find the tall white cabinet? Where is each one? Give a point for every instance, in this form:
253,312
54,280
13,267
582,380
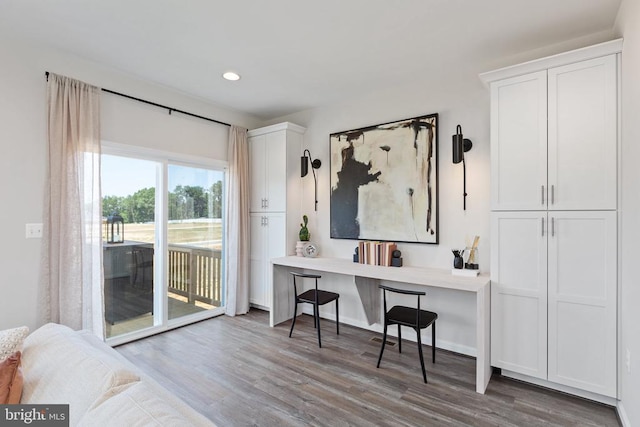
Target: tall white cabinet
274,170
554,155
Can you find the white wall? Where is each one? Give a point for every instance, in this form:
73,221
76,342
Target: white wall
461,99
24,147
628,26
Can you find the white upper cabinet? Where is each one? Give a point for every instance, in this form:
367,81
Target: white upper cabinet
519,142
267,154
582,135
274,159
554,138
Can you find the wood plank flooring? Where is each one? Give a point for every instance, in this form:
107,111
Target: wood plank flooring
239,372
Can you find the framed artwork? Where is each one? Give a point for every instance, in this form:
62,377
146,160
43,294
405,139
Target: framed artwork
384,182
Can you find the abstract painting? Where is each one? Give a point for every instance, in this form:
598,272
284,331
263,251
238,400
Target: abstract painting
384,182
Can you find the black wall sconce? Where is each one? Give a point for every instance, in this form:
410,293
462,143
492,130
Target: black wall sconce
304,170
461,146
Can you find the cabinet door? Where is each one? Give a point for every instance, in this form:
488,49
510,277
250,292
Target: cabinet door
519,143
275,248
257,257
583,135
582,300
275,158
519,292
257,172
268,240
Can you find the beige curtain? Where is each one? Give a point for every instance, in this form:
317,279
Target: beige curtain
71,285
237,230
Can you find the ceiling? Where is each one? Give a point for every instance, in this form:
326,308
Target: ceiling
299,54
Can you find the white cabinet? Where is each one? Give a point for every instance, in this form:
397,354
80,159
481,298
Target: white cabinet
267,158
267,241
553,295
554,221
519,142
554,138
275,187
582,300
519,292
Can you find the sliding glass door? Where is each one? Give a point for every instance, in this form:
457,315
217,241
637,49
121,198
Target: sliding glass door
194,237
128,189
168,269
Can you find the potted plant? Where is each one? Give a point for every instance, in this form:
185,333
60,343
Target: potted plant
303,236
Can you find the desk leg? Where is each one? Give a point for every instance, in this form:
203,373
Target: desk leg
282,296
370,297
483,339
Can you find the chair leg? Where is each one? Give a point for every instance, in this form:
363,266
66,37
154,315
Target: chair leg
424,372
337,319
433,341
295,314
384,341
399,340
317,316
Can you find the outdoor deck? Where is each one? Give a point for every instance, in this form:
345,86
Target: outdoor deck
194,284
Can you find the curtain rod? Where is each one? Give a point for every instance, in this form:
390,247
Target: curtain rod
157,105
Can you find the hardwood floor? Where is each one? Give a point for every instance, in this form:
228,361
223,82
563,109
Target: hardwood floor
239,372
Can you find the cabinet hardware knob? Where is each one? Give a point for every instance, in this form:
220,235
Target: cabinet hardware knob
542,225
552,193
542,194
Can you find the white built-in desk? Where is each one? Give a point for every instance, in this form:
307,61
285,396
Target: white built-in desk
368,277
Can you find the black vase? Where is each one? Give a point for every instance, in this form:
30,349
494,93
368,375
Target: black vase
458,262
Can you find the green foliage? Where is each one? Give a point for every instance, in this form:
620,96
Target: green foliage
185,202
304,231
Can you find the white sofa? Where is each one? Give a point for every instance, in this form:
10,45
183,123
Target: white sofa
101,387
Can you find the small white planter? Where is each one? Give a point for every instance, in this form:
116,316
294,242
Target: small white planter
299,247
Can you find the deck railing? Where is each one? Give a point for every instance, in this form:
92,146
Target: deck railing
196,273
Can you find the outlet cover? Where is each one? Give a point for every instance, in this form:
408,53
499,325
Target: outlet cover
34,231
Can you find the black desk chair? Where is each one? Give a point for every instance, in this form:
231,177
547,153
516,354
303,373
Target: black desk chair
412,317
316,297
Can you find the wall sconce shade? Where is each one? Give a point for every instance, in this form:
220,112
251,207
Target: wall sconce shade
460,145
304,164
304,170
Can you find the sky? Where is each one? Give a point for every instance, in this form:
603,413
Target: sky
123,176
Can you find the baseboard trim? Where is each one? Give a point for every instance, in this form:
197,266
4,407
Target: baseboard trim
622,415
611,401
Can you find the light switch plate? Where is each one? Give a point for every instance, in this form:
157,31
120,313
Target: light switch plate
34,231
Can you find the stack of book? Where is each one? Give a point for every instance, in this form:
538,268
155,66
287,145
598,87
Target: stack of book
376,253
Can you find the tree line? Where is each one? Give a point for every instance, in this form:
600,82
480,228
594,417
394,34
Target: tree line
185,202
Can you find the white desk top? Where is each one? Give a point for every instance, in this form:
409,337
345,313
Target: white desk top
435,277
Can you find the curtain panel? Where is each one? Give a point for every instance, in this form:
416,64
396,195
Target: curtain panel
71,285
237,233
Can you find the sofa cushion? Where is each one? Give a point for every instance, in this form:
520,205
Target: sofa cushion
11,341
135,405
10,380
59,366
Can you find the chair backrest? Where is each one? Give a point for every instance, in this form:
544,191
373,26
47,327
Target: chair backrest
303,275
401,291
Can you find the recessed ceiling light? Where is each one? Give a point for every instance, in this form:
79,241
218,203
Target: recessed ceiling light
230,75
